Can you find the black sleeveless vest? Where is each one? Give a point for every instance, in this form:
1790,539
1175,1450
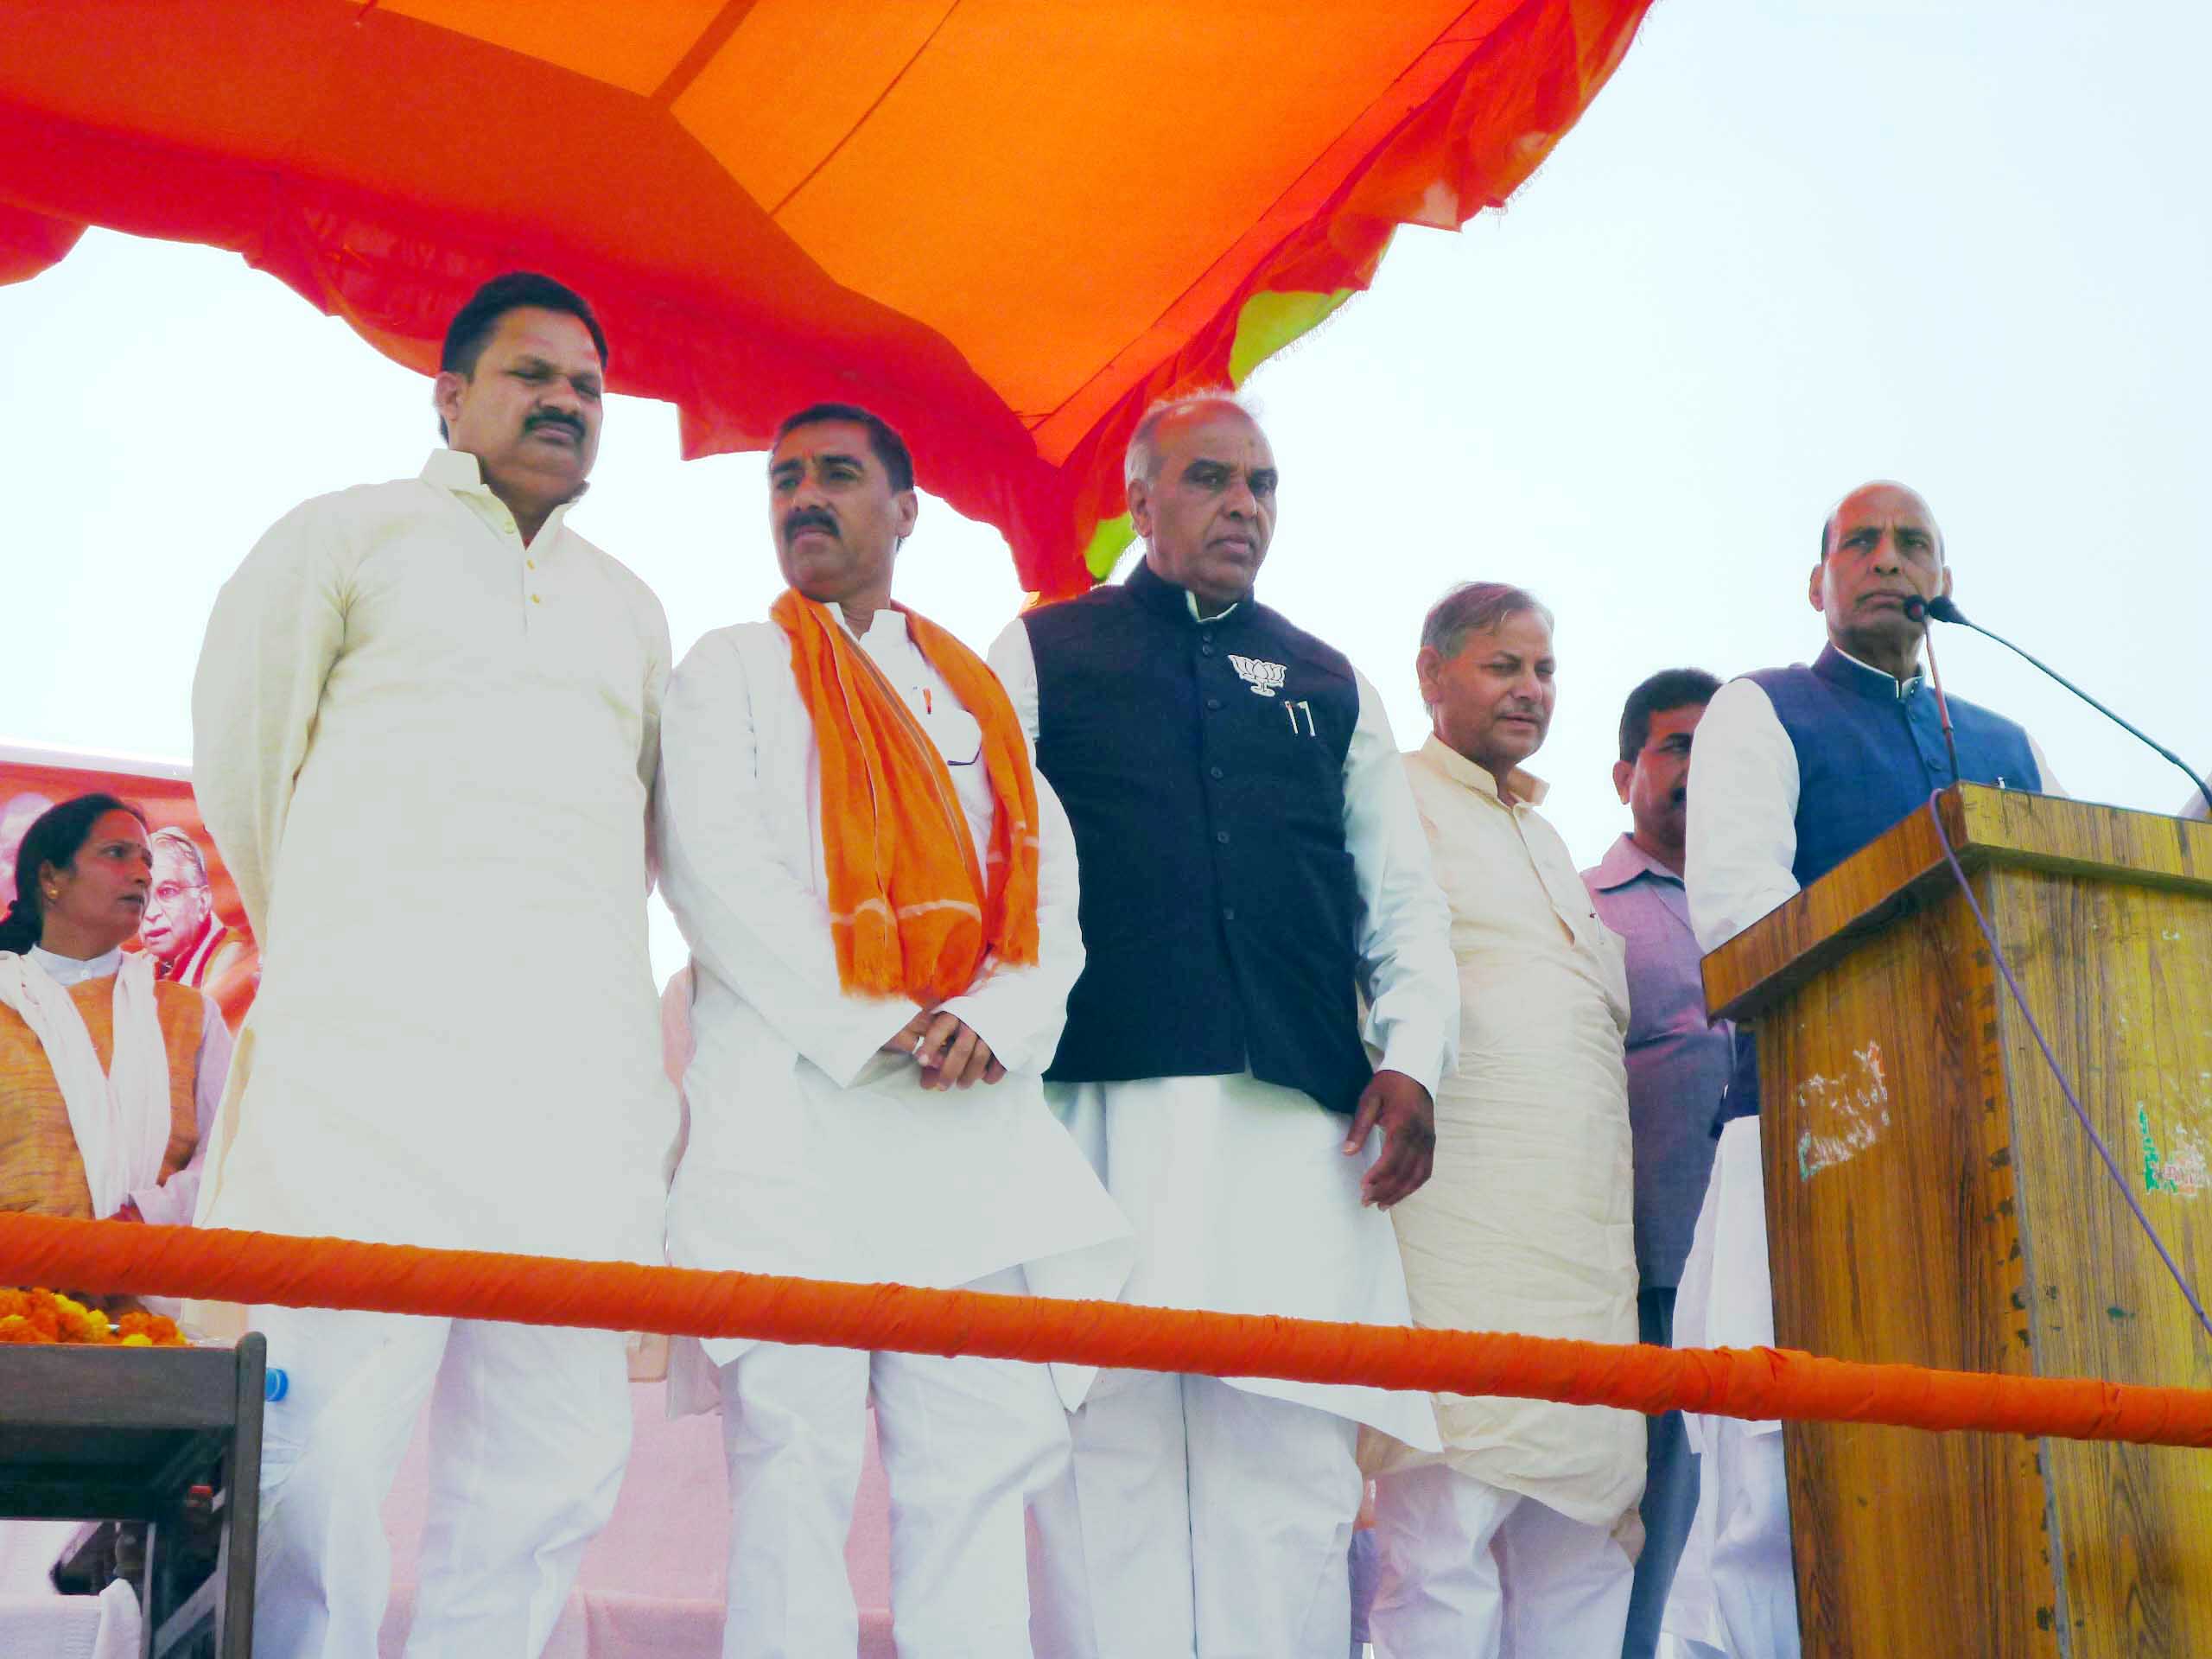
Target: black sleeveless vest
1202,766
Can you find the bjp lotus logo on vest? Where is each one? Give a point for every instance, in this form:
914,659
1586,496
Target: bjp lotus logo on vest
1265,678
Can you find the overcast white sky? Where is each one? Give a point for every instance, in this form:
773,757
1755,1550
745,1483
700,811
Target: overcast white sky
1793,246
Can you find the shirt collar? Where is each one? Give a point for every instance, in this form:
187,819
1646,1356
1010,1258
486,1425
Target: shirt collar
1842,669
1624,861
1528,790
1153,591
71,971
889,623
463,473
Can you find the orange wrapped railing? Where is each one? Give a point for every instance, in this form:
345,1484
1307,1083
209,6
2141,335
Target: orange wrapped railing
213,1264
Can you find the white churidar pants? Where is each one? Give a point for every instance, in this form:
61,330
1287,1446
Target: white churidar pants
965,1443
1200,1520
1475,1571
530,1430
1754,1589
1736,1591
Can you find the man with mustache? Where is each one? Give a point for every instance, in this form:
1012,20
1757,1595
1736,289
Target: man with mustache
1795,769
1518,1538
425,727
1250,861
1677,1067
879,896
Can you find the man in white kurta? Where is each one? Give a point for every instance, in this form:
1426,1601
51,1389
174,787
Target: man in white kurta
1249,855
1518,1538
425,726
822,1145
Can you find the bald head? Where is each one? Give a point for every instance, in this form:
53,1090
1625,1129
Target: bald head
1882,497
1202,493
1141,460
1880,550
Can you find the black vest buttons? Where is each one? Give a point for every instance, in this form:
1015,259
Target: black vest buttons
1215,773
1222,835
1213,703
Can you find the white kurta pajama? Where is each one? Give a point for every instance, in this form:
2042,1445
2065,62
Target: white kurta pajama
1513,1533
812,1153
425,750
1213,1516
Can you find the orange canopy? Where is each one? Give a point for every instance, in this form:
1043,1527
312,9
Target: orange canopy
1007,226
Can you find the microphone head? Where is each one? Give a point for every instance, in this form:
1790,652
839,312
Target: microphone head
1939,607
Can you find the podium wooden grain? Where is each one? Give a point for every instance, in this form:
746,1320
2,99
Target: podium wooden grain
1931,1199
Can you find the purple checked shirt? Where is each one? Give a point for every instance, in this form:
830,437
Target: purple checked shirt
1677,1063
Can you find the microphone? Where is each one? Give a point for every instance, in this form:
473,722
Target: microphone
1943,610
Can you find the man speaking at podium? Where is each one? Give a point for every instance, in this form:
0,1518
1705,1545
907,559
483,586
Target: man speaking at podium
1795,770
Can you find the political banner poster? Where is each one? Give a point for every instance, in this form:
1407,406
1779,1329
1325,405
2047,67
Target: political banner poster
194,925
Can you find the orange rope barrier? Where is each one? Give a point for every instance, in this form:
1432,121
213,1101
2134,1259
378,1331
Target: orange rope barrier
218,1265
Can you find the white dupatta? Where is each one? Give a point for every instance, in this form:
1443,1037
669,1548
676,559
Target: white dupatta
120,1116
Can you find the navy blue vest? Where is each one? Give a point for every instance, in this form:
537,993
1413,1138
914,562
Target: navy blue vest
1870,751
1202,766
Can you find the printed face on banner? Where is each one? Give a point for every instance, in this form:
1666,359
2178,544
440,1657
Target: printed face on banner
192,926
181,904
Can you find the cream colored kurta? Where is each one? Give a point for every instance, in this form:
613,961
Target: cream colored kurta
425,751
811,1152
1528,1223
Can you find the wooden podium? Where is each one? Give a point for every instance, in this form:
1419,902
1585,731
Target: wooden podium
1931,1199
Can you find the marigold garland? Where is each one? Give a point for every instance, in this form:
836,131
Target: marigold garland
47,1316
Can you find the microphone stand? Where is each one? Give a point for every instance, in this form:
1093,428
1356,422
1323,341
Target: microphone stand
1944,611
1935,679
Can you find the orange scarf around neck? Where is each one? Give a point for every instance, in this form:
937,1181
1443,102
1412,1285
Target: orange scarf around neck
909,911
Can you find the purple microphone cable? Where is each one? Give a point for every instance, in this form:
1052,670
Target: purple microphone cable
2104,1152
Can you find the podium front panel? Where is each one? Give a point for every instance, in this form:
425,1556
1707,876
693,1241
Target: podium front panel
1932,1199
2120,978
1893,1235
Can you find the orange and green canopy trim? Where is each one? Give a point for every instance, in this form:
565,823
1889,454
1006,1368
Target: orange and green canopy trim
1007,226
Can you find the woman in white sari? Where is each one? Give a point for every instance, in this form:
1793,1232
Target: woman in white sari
108,1079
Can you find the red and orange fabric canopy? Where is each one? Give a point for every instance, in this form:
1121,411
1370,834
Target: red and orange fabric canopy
1008,226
